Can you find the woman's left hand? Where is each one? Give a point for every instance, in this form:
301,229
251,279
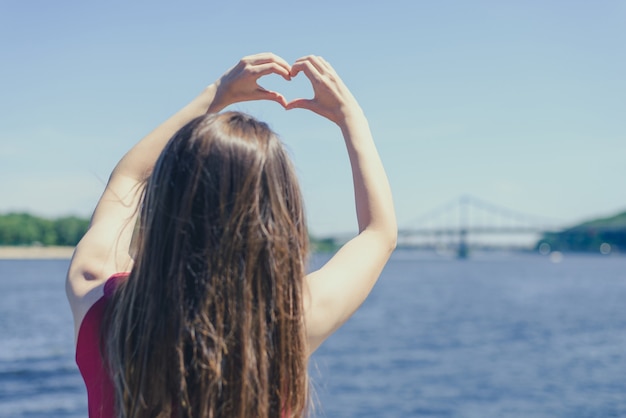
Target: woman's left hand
239,84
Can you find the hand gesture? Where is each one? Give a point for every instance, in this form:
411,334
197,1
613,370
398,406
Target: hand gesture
239,84
332,99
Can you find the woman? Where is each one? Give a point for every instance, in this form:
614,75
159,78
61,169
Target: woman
213,315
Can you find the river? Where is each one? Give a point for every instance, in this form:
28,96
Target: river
497,335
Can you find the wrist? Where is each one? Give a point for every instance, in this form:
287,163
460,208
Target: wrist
209,100
351,118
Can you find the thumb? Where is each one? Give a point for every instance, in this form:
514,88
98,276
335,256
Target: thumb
264,94
300,104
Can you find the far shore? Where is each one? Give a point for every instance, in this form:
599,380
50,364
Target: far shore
35,252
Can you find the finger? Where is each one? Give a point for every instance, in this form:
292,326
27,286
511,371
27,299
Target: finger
308,69
326,64
263,94
265,58
326,71
300,104
314,60
278,60
277,97
270,68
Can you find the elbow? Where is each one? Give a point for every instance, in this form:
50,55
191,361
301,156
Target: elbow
392,239
389,230
387,237
383,234
390,234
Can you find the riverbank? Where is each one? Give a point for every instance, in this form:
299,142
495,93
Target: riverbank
35,252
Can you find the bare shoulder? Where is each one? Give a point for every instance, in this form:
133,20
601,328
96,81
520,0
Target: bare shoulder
100,254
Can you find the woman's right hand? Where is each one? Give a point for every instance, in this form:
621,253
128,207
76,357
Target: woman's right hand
239,84
332,99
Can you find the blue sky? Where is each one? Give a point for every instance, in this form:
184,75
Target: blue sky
519,103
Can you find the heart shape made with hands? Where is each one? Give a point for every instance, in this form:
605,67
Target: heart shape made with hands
299,87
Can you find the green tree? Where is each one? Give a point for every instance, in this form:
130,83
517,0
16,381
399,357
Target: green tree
26,229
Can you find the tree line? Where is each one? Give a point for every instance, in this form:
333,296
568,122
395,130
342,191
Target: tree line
27,229
604,235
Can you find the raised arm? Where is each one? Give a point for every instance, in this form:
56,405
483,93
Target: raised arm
341,286
104,250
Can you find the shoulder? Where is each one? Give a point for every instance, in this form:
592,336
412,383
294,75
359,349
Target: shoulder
81,305
95,260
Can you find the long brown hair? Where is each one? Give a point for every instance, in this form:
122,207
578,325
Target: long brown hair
210,321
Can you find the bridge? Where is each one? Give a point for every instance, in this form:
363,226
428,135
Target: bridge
457,225
468,223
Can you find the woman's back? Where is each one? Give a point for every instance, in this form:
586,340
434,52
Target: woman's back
217,278
216,317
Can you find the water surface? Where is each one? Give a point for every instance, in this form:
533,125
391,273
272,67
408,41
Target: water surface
492,336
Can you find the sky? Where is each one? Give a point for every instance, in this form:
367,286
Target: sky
521,104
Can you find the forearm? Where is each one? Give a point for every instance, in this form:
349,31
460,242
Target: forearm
342,284
373,199
103,249
139,161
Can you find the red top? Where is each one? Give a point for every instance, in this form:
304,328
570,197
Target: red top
100,394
